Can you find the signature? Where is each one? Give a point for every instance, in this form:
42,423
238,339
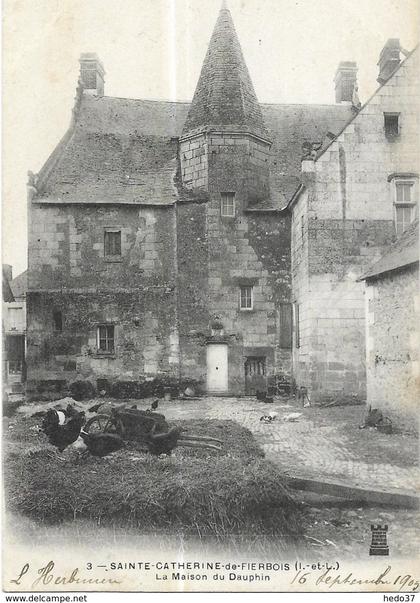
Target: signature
46,576
332,578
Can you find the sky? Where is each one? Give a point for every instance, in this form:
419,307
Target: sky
155,48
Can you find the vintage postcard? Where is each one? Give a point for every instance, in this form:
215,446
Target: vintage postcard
211,301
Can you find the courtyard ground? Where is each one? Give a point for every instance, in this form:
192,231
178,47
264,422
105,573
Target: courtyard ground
322,443
326,445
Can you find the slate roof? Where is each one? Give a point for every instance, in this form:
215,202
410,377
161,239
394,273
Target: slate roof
402,253
119,151
125,151
289,126
225,95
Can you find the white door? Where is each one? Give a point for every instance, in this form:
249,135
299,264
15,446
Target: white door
217,367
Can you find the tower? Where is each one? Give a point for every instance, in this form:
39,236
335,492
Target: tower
225,153
224,143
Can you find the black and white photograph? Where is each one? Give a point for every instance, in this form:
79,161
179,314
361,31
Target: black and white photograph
211,302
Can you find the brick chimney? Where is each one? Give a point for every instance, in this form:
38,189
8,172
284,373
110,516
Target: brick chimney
91,74
345,80
389,59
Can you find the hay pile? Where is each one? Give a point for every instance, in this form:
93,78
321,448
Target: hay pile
193,491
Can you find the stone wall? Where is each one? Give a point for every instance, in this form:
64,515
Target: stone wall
347,217
192,289
198,153
194,161
301,292
66,245
393,368
69,274
146,343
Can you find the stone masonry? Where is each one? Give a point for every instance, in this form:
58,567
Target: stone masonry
393,346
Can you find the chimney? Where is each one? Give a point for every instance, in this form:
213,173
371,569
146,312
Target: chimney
8,272
91,74
345,80
389,59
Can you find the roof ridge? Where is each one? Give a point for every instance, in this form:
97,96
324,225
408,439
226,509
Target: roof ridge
305,105
148,100
188,102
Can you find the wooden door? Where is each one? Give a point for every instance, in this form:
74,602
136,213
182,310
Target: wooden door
217,367
255,375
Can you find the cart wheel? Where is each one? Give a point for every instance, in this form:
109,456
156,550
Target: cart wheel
103,424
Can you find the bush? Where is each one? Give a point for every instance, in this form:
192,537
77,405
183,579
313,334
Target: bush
82,390
51,385
154,388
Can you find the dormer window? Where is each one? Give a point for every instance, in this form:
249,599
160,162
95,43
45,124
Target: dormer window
392,125
227,205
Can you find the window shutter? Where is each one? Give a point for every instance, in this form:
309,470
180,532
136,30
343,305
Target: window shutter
286,326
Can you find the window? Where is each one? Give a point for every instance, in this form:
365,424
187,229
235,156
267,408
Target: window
112,243
391,125
58,320
403,218
297,325
105,339
228,205
15,346
15,319
404,192
285,325
405,204
246,301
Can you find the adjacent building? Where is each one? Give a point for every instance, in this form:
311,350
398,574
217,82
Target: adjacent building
392,331
358,192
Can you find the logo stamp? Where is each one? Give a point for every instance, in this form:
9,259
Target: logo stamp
379,544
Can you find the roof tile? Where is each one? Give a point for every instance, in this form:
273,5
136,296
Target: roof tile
125,150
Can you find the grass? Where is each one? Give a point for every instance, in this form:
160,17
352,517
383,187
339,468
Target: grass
193,492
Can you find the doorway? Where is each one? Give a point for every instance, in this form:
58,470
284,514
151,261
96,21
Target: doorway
255,375
217,367
15,358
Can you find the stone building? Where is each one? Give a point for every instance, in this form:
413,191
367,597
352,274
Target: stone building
160,233
392,331
358,191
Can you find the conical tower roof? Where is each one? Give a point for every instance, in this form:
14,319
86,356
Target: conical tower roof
225,96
